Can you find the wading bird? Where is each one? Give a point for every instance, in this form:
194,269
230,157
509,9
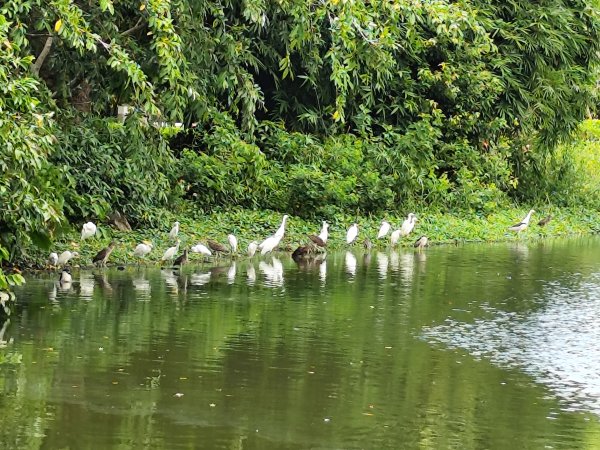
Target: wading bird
408,225
141,250
202,249
395,237
518,227
65,276
233,243
421,242
367,244
301,252
65,256
383,229
324,234
544,221
352,233
317,241
183,259
270,243
215,246
170,252
174,231
102,256
53,259
88,230
252,246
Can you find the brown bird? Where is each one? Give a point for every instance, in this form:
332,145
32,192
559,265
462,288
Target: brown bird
317,240
182,259
102,256
421,242
367,244
545,221
301,252
215,246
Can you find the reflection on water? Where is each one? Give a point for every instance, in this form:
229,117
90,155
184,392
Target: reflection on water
452,347
556,344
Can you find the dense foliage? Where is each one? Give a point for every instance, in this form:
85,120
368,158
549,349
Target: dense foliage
308,107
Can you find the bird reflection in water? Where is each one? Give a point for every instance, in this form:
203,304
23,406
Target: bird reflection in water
382,265
86,285
273,272
231,273
350,261
200,278
251,274
394,261
4,342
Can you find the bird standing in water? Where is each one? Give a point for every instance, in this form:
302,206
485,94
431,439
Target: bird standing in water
352,233
141,250
170,252
324,234
421,242
215,246
65,256
522,225
408,225
102,256
233,243
183,259
252,247
270,243
65,276
53,259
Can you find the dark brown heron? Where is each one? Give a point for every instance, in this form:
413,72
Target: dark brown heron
544,221
102,256
317,240
216,247
302,252
182,259
421,242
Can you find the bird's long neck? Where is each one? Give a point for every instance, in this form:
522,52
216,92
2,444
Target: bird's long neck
527,217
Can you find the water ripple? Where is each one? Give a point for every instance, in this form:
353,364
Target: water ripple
556,343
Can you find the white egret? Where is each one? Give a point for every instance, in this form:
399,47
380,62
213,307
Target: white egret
395,237
102,256
65,256
88,230
324,234
270,243
141,250
232,243
281,230
174,231
408,225
352,233
383,229
252,246
202,249
170,252
53,259
518,227
65,276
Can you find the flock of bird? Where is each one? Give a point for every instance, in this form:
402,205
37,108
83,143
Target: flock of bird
266,246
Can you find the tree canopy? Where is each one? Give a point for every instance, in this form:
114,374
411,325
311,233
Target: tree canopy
291,104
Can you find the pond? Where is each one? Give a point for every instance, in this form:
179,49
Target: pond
467,347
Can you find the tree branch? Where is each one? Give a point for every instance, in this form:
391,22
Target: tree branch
42,56
139,24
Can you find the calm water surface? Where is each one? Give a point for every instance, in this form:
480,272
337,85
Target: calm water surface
471,347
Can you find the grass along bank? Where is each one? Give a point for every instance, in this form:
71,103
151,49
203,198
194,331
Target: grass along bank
249,225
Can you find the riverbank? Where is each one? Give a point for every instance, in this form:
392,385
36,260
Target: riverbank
249,225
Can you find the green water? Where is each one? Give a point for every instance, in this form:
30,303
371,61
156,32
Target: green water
469,347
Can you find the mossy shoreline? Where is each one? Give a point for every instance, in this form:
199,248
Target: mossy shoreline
249,225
